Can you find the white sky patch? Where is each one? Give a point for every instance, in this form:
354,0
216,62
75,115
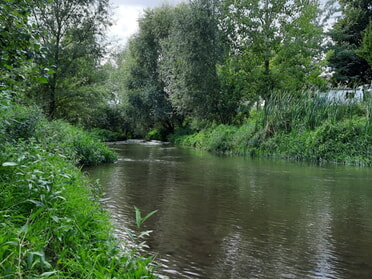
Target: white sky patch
126,14
125,23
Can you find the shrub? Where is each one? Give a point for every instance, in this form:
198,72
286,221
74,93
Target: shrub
157,134
78,145
296,127
341,142
20,123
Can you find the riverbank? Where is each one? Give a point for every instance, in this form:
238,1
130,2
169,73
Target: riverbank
51,222
308,131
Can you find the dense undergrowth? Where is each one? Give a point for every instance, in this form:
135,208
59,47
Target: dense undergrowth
51,223
295,128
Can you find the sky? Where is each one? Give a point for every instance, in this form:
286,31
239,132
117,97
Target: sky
126,13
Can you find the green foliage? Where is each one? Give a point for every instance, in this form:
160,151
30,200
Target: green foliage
80,146
28,124
52,224
157,134
347,35
331,141
139,219
144,100
107,135
286,111
189,61
17,46
72,38
275,45
296,128
20,123
366,48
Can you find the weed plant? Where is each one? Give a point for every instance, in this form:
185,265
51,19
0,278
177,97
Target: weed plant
296,127
51,223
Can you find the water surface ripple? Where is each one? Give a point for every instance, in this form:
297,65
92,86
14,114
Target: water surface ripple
235,217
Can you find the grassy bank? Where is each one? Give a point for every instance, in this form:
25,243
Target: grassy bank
295,128
51,223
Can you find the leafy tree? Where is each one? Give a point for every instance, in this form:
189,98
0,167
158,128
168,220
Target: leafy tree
17,45
277,41
347,35
145,100
189,60
73,32
366,49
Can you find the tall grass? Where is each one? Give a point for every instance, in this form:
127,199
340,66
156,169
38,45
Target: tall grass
286,111
298,127
51,222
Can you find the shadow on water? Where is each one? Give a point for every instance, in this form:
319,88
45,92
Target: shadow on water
236,217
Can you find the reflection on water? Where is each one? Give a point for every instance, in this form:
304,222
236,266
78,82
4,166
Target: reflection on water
234,217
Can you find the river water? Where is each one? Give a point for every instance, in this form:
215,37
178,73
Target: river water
237,217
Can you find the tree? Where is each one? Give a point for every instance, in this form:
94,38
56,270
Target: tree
188,64
347,35
278,41
73,32
146,103
366,48
17,45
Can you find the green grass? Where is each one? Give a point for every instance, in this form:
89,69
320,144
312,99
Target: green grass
51,222
298,128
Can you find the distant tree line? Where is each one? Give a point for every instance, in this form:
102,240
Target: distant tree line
197,63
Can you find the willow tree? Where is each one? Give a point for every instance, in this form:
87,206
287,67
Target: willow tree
188,64
72,39
145,101
274,43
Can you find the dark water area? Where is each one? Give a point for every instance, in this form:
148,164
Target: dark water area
237,217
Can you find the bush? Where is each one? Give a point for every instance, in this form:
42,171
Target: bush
78,145
20,123
221,138
346,142
157,134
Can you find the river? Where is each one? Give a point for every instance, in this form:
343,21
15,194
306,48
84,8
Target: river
238,217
